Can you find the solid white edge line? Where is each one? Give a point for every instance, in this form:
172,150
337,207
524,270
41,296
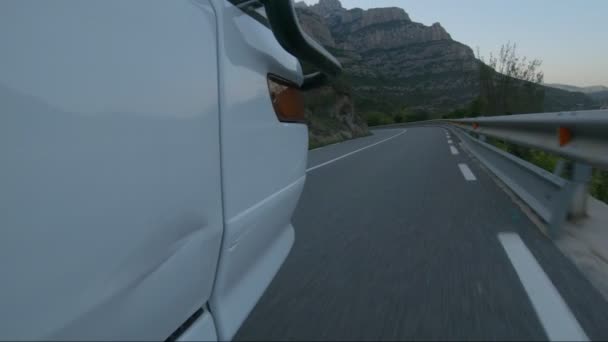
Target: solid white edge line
454,150
466,172
555,316
353,152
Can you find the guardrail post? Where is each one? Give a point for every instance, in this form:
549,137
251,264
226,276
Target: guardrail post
581,176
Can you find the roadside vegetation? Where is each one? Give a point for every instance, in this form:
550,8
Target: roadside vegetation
375,118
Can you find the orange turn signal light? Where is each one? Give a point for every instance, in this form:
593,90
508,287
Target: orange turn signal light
287,99
565,135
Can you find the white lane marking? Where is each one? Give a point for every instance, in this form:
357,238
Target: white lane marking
454,150
449,141
353,152
466,172
555,316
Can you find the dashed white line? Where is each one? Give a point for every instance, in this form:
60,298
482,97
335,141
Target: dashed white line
353,152
454,150
466,172
555,316
449,141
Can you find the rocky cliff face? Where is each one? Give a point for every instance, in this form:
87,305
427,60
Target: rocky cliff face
385,53
331,117
326,7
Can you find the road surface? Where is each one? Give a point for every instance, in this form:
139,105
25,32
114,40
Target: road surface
401,235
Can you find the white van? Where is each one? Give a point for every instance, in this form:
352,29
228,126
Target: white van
151,155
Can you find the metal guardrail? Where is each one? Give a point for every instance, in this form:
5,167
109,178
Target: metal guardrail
547,194
579,136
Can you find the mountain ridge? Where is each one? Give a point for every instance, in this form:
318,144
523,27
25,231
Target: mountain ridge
410,65
572,88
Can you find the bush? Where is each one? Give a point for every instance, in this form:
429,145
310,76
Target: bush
417,115
543,159
373,120
378,118
599,185
539,158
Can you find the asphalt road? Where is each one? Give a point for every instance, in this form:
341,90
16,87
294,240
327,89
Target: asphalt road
392,242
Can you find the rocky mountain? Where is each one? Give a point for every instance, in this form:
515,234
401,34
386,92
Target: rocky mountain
392,61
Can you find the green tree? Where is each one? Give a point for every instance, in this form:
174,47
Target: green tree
417,115
599,185
375,118
509,83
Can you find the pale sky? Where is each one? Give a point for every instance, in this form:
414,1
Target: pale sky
570,37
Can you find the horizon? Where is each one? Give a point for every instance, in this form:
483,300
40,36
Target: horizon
546,32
